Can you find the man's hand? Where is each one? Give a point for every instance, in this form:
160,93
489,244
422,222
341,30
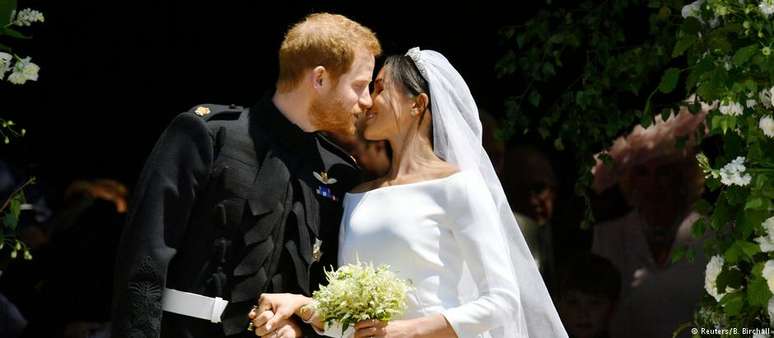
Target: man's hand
285,328
273,314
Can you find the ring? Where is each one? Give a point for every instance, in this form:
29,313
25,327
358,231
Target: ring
251,327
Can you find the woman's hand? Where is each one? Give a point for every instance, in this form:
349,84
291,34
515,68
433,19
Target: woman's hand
392,329
430,326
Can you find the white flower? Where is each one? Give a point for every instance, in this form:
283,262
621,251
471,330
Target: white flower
767,242
692,10
24,71
767,125
768,274
771,310
733,109
27,17
767,7
5,63
750,103
733,173
769,225
714,267
767,97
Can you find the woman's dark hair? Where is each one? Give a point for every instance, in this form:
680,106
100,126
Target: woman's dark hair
403,70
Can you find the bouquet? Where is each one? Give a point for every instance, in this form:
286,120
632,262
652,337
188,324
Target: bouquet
358,292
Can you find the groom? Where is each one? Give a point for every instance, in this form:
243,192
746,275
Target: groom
235,202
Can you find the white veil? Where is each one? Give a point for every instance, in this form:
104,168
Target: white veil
457,139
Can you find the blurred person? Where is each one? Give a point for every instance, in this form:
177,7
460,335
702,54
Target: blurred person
532,188
660,181
589,289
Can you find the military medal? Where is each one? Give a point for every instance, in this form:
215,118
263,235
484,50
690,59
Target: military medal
323,190
202,111
323,177
316,252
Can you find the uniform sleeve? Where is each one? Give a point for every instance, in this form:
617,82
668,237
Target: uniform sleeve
476,230
164,197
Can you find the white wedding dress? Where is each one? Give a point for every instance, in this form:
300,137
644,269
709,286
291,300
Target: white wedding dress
423,231
455,238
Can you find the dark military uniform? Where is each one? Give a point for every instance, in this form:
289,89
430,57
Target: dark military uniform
231,203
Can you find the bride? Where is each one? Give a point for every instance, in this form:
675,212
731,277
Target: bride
439,219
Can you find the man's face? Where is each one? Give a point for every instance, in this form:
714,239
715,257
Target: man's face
338,107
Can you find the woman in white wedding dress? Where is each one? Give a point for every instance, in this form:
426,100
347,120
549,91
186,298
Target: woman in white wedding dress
439,218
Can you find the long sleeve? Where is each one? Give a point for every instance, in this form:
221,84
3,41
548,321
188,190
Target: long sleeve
165,195
476,230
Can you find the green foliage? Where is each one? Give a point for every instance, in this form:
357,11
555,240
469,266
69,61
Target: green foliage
603,79
584,78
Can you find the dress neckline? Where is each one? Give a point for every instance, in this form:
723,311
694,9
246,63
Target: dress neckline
424,182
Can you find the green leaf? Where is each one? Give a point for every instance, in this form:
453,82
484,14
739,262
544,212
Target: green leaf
678,254
730,278
16,203
520,40
13,33
10,221
6,7
744,54
721,214
699,228
548,69
733,303
683,44
558,145
758,292
669,80
534,98
755,202
691,26
732,254
748,248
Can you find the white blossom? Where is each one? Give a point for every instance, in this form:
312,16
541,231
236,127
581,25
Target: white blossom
766,242
714,267
733,109
750,103
733,173
766,7
768,274
5,63
24,70
767,97
27,16
771,310
693,9
767,125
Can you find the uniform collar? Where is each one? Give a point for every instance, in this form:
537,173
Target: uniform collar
288,135
291,137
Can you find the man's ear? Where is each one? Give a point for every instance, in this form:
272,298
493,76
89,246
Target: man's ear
319,76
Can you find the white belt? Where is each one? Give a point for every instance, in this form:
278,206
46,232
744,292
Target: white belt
193,305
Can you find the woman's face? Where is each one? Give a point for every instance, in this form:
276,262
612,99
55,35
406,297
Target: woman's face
391,109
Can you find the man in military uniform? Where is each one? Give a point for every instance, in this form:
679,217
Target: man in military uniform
235,202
